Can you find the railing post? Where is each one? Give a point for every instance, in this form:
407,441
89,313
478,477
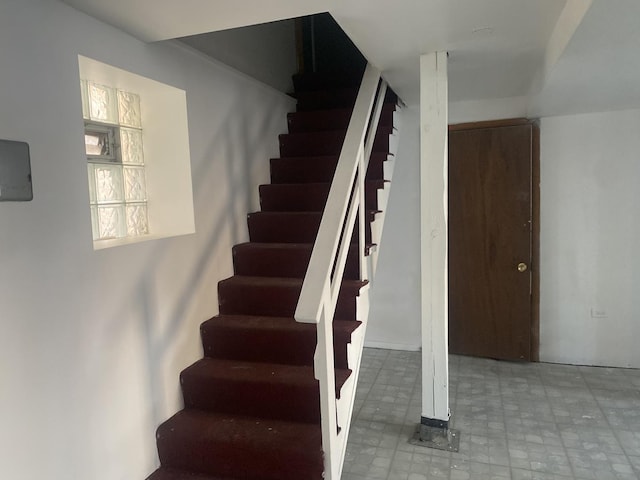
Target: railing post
362,217
325,374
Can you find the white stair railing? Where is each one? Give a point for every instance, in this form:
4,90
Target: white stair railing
321,285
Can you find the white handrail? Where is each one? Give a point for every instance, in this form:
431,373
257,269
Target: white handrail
321,285
326,245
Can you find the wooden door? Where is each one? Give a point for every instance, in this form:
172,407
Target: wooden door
490,228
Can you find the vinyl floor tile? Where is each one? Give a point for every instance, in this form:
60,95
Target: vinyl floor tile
517,421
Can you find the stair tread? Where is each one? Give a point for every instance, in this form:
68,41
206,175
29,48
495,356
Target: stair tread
277,340
382,130
319,169
324,158
278,246
225,425
209,369
335,111
313,185
263,322
283,246
309,197
240,446
286,391
307,218
390,96
328,142
283,281
277,296
295,227
302,214
324,142
275,246
238,430
164,473
307,185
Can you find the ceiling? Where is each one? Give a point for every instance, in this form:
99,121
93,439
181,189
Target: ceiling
154,20
600,68
561,55
495,46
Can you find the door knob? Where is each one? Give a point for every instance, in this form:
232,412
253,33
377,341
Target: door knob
522,267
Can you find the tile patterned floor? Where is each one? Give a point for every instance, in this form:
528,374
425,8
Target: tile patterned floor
517,421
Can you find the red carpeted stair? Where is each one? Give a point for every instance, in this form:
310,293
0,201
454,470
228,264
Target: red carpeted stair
251,405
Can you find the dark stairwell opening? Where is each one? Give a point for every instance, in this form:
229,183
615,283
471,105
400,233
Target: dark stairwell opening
326,51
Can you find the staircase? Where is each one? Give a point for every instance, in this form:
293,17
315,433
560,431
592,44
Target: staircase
252,404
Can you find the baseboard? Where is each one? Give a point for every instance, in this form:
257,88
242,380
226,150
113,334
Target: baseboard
392,346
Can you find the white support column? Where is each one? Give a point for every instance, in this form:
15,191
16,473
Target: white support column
433,231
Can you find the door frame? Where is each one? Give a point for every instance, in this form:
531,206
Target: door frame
535,215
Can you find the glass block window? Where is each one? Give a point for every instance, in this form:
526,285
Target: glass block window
115,162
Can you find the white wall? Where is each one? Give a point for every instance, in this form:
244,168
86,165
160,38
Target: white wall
590,229
489,109
92,342
266,51
394,318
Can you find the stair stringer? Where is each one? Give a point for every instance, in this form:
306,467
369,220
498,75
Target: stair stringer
377,225
346,402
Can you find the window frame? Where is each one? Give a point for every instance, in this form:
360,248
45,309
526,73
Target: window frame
113,134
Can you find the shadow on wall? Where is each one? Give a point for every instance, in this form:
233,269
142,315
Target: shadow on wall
237,154
243,157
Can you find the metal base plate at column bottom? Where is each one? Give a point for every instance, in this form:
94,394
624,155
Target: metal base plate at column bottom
438,438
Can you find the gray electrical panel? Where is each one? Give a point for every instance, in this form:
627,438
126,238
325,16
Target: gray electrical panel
15,172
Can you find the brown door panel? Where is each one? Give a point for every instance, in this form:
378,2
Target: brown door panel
489,235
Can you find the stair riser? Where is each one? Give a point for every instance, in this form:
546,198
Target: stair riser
274,300
307,197
325,143
266,400
290,228
328,120
272,346
253,261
